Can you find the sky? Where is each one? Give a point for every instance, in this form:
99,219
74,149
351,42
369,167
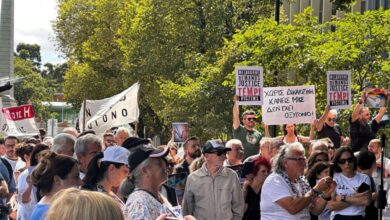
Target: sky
33,20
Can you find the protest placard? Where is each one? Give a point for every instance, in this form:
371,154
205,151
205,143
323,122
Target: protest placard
286,105
180,131
339,89
249,85
19,121
376,98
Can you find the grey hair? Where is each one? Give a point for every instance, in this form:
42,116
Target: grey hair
232,142
334,111
83,142
122,129
136,174
60,141
286,150
265,140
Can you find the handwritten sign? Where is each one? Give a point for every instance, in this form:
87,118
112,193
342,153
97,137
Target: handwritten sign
339,89
285,105
249,85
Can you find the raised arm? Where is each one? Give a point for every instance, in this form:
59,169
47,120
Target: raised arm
358,106
266,130
236,113
380,114
321,121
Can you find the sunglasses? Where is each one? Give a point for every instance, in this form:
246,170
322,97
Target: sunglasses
331,148
219,153
332,119
251,119
300,159
343,161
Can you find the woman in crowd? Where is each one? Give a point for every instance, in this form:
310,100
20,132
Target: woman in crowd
25,197
318,171
107,170
366,163
53,173
315,157
74,204
291,136
286,193
24,153
346,202
252,187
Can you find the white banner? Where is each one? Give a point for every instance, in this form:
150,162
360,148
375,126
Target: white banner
287,105
19,121
104,114
339,89
249,85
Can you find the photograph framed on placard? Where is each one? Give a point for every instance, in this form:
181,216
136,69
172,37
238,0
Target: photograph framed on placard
180,131
376,98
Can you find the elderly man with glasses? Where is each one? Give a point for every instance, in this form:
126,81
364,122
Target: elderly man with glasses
246,133
213,191
328,128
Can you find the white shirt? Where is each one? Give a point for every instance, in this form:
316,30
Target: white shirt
348,186
274,189
25,209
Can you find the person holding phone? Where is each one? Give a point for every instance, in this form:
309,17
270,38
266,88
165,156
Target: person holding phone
348,201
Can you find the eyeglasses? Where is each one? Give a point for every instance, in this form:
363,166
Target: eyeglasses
300,159
251,119
219,153
110,141
349,160
332,119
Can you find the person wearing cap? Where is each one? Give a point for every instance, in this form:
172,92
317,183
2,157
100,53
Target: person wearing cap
213,191
246,133
191,152
149,172
107,170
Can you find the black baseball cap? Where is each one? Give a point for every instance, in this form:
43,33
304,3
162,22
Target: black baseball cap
133,142
214,145
143,152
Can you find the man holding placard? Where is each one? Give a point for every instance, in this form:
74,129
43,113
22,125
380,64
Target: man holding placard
328,128
246,133
361,129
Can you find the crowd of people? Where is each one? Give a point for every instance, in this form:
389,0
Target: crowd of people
252,176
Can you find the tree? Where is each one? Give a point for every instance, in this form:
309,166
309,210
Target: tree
33,89
30,52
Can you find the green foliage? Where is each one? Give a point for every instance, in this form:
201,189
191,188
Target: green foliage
184,52
30,52
33,89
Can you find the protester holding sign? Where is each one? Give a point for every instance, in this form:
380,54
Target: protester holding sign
327,127
360,127
246,133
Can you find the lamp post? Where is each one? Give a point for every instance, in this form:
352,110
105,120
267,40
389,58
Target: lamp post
277,10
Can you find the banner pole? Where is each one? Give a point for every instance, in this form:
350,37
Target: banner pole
84,113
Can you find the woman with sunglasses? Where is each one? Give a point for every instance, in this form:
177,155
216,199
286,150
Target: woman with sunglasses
286,193
107,170
347,202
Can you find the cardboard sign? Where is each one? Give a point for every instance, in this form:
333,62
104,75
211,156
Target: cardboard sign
286,105
339,89
19,121
249,85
